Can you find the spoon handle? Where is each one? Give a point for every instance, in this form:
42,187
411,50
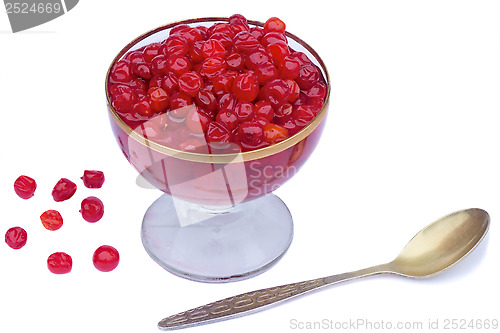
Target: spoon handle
257,300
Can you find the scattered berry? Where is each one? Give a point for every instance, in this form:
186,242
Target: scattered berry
63,190
25,187
51,220
59,263
92,209
16,237
106,258
93,178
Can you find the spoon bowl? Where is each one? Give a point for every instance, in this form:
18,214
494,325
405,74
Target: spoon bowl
435,248
441,244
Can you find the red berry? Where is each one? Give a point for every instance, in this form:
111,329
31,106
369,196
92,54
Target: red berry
25,187
16,237
59,263
197,122
170,83
121,73
190,82
274,24
213,48
217,131
276,92
294,90
228,117
151,51
227,101
51,220
93,178
289,68
212,67
246,87
63,190
175,44
265,110
180,104
266,72
256,59
244,111
206,100
92,209
272,37
278,51
178,64
275,133
235,61
106,258
222,84
303,115
246,43
251,133
142,70
308,76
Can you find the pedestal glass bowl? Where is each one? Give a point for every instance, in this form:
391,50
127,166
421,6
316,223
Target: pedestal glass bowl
217,220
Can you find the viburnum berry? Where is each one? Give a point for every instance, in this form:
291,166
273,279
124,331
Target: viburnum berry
25,187
92,209
93,178
251,133
246,87
308,76
106,258
235,61
244,111
190,82
63,190
213,48
218,132
178,64
206,100
274,24
142,70
197,122
151,51
274,133
16,237
276,92
264,109
228,117
180,104
51,220
59,263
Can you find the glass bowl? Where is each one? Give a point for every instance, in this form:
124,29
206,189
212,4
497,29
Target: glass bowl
217,220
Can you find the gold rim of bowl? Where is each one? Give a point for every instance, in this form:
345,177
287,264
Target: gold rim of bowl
220,158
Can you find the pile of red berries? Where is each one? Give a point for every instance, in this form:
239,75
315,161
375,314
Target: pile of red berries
225,83
105,258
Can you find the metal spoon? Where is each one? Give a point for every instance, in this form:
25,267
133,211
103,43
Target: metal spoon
434,249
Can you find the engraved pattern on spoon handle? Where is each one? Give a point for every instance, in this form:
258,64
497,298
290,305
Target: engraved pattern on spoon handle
237,305
254,301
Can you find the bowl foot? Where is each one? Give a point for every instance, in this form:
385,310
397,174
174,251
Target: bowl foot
217,245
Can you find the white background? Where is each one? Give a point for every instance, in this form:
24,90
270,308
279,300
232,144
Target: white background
413,134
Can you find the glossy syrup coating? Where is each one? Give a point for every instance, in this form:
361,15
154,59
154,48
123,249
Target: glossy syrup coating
222,70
